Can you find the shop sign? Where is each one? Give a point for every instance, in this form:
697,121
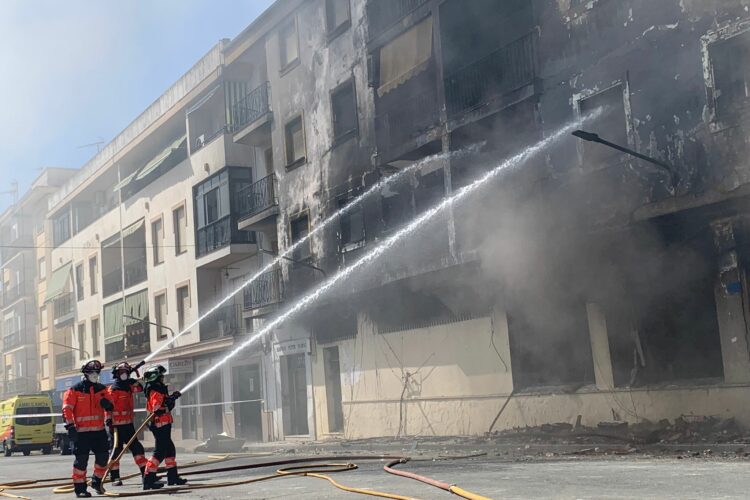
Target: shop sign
292,347
177,366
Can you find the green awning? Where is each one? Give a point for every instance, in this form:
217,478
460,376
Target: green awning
57,282
125,181
136,305
162,157
113,324
132,228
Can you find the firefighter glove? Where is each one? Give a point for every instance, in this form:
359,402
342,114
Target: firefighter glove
72,432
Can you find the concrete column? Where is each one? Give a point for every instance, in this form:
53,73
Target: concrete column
600,347
729,293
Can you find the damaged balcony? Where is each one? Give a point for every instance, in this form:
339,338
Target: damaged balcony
223,322
251,117
264,293
259,206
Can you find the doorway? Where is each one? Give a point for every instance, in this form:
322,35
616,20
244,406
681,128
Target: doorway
188,416
294,394
212,417
247,416
333,389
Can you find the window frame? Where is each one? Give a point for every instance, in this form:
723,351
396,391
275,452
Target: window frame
181,312
93,284
161,331
293,218
95,345
157,247
352,245
180,246
41,268
334,32
43,318
79,282
44,363
347,134
292,164
286,66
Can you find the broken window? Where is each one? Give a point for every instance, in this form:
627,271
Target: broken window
610,125
731,70
300,228
351,225
405,56
344,111
295,142
337,16
288,47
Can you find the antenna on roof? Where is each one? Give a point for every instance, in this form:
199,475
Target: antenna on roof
92,144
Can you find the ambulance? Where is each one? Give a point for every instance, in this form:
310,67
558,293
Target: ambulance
26,434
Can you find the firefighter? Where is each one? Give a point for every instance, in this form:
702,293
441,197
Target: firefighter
121,418
84,405
160,403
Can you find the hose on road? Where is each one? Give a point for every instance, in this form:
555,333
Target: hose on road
452,488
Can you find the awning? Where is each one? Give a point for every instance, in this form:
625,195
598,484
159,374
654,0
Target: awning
180,143
136,305
132,228
124,182
113,322
57,282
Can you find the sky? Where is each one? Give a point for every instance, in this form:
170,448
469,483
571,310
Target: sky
74,72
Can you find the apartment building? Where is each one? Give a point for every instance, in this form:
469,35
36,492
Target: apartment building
583,282
22,233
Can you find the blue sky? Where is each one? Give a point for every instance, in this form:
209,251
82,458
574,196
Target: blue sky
76,72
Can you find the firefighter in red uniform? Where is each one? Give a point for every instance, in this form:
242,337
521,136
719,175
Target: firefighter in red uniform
160,403
84,405
121,418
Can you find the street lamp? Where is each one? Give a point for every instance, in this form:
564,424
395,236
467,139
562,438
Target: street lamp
592,137
143,320
80,349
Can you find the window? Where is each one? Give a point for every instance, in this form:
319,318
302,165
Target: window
610,125
79,281
344,111
211,205
295,142
43,317
183,306
179,218
730,59
82,341
160,308
300,227
93,274
45,366
337,17
288,46
95,336
351,226
405,56
157,240
42,269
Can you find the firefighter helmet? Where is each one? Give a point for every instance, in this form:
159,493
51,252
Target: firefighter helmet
121,367
153,373
92,366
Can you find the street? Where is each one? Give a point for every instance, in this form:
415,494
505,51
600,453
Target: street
533,477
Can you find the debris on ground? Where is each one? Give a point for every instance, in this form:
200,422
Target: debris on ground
220,443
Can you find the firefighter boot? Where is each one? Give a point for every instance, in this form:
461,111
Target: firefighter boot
173,479
96,485
80,491
150,482
114,477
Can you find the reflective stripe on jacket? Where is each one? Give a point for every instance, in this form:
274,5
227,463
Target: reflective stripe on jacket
121,396
82,406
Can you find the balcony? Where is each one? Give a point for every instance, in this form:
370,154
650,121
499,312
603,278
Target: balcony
267,290
135,272
13,293
258,205
492,78
251,116
223,322
21,385
64,309
382,14
220,234
16,245
17,338
64,362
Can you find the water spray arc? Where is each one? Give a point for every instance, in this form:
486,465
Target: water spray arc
376,252
375,188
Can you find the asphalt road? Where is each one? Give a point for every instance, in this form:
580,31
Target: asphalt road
568,478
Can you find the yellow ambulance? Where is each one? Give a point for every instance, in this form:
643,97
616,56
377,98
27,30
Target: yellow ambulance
26,434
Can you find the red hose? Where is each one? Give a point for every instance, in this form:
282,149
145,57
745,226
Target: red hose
432,482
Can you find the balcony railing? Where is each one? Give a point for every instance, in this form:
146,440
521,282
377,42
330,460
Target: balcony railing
264,291
382,14
258,196
13,293
504,70
17,338
64,361
219,234
223,322
22,385
64,307
250,108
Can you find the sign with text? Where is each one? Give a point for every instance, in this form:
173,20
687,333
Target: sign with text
292,347
176,366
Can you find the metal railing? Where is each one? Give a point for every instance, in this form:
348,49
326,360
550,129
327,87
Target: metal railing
253,106
258,196
265,291
223,322
219,234
64,305
382,14
64,361
504,70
